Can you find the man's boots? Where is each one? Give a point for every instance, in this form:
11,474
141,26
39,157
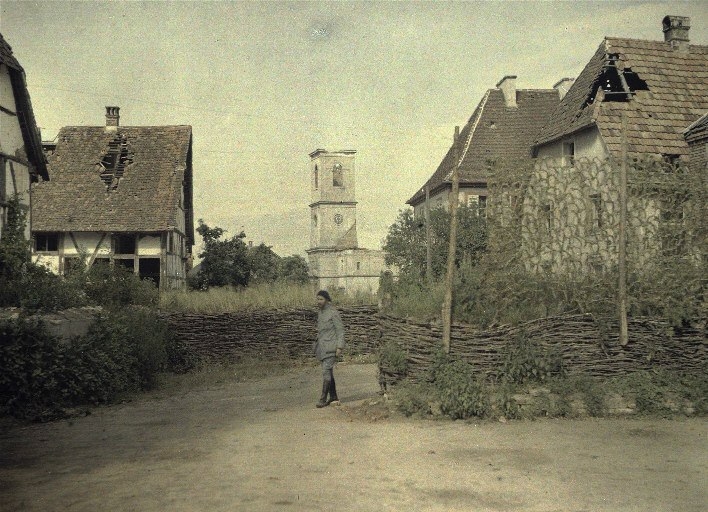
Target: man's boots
323,398
333,391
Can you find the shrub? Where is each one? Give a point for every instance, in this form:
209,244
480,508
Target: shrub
116,287
527,361
461,393
42,377
415,399
393,359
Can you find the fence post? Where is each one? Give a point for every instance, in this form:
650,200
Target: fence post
428,238
622,238
450,275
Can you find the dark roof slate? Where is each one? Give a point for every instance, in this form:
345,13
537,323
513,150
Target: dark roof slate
677,83
6,56
146,197
499,133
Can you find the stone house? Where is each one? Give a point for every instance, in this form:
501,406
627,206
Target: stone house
336,261
22,161
571,205
500,131
118,195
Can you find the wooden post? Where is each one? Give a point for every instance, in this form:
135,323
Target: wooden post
428,241
622,242
450,275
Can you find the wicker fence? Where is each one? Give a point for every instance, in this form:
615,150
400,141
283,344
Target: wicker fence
269,334
582,346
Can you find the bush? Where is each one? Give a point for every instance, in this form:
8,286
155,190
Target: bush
393,359
527,361
116,287
43,377
461,393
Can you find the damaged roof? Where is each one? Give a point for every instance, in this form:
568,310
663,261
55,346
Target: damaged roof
25,113
669,91
141,195
499,133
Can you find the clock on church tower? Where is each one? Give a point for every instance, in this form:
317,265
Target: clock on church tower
333,201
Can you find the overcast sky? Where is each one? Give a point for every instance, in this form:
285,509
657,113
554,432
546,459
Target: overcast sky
263,84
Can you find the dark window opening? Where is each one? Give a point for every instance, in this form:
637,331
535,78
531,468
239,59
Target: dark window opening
337,179
124,244
317,177
149,268
547,217
596,219
671,160
128,264
569,153
46,242
114,162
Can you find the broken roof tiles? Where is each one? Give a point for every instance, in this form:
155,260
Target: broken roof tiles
673,95
143,196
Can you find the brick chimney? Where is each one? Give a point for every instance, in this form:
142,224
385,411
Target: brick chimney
508,87
563,85
112,118
676,31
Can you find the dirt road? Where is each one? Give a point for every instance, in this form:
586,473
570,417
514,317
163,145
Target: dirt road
262,446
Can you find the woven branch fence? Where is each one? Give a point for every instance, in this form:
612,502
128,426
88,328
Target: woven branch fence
582,346
270,334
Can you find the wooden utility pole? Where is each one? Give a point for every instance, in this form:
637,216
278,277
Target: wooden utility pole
428,230
622,241
450,275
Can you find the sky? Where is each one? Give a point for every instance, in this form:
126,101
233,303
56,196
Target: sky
263,84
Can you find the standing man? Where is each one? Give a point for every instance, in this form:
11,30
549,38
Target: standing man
329,346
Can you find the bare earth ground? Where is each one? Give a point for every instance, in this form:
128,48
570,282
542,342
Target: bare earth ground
261,445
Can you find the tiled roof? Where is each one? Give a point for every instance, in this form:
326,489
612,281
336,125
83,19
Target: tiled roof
675,95
23,104
6,56
146,197
501,133
697,128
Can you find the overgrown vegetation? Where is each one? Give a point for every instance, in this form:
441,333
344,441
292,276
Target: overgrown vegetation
279,294
229,262
531,383
44,378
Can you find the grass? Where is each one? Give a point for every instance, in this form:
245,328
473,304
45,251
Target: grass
260,296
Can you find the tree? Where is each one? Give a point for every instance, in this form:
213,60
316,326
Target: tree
15,254
224,262
405,243
264,264
294,269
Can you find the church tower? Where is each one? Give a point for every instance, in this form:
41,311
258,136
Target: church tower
333,203
335,259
